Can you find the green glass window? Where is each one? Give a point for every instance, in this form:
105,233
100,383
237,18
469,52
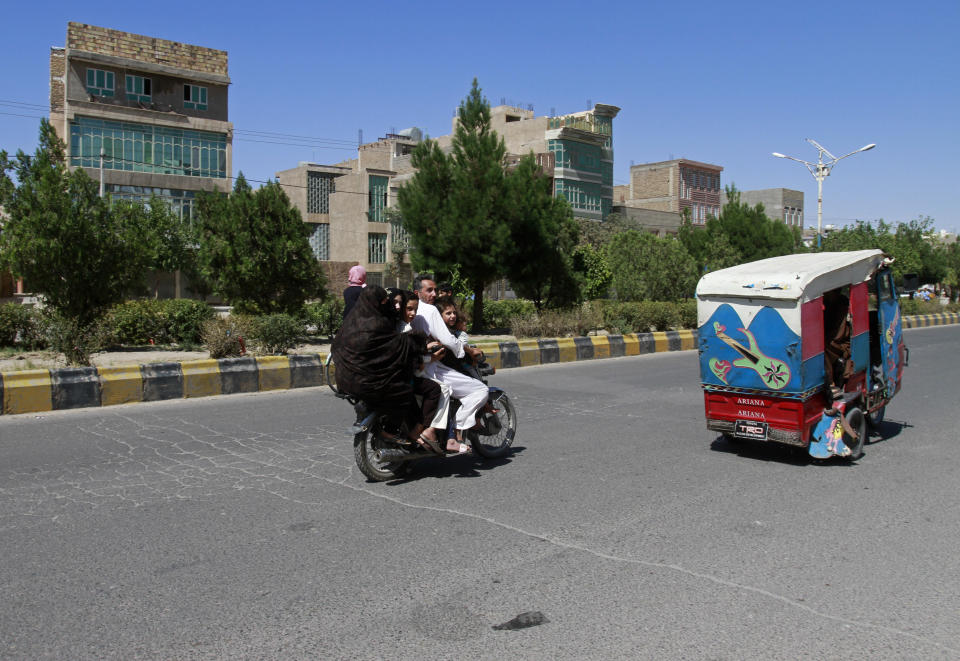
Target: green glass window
100,82
146,148
139,88
377,198
582,195
194,97
576,155
180,202
377,248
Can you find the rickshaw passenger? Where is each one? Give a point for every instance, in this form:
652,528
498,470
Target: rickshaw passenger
836,336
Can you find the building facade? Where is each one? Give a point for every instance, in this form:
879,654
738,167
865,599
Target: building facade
576,150
145,116
346,205
157,110
781,204
675,186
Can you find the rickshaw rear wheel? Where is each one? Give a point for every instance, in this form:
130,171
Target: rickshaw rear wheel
874,418
858,421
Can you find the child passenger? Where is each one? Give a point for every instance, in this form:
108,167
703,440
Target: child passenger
457,325
435,396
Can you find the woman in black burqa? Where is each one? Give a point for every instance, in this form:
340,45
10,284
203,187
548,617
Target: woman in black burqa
375,362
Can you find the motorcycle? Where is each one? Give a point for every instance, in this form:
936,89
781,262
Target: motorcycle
381,455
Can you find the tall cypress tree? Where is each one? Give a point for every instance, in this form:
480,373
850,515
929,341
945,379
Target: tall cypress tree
453,208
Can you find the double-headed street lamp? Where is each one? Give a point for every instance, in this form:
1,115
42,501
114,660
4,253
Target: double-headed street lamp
821,171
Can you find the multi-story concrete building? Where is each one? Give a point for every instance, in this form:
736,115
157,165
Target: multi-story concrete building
575,149
148,115
345,205
157,110
674,186
781,204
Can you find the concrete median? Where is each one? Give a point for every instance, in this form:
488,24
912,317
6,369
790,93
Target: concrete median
31,391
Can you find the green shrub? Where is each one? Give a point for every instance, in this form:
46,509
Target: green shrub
152,321
64,335
688,313
644,316
498,314
183,319
326,316
275,333
134,323
20,325
663,315
910,306
577,321
226,337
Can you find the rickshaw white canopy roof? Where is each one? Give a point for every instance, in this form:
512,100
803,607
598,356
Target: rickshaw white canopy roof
802,277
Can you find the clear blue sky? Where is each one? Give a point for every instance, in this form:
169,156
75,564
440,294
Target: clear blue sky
725,83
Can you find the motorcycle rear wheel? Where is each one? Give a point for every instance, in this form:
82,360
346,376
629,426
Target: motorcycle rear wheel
365,446
496,430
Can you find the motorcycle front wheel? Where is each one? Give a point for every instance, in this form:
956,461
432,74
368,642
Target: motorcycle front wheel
494,434
365,446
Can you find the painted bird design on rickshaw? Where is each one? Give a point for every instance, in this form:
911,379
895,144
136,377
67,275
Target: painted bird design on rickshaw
774,373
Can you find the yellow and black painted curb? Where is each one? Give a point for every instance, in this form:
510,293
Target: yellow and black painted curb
937,319
32,391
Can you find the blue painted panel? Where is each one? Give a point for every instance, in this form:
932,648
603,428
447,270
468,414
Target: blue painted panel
888,311
860,351
765,356
814,372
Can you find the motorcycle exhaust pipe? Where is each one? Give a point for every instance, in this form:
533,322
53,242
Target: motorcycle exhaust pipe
393,455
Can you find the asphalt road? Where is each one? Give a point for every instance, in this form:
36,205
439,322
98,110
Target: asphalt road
238,527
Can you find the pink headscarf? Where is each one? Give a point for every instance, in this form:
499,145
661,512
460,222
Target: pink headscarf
357,276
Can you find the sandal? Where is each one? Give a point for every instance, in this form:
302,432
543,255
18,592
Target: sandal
464,449
429,444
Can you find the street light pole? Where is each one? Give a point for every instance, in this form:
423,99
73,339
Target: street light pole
821,171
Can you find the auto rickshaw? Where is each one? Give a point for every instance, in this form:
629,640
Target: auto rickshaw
804,350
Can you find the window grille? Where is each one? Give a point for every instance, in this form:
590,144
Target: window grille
377,199
319,187
320,241
377,248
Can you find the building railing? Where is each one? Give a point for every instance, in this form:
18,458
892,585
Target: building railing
579,122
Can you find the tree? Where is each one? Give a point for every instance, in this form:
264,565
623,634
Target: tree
453,208
646,267
711,252
751,233
171,242
254,249
590,265
71,246
910,244
543,235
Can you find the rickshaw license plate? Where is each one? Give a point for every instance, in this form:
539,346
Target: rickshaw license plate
750,429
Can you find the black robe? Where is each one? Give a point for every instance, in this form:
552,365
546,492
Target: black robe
373,359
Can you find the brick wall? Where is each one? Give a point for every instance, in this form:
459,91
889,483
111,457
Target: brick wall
651,183
58,69
105,41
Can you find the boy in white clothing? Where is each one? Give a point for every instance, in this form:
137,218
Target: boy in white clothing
471,392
